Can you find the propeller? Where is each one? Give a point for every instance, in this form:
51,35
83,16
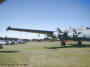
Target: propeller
8,28
76,34
61,35
75,31
59,30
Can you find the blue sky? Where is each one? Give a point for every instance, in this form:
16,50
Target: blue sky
45,14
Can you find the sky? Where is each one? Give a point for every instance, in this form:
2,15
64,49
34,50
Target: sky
43,15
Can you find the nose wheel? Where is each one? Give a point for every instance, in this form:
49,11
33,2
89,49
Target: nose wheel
63,44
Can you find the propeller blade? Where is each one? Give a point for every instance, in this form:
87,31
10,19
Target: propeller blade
74,31
59,30
8,28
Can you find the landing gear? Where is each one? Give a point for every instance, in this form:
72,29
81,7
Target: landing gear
79,43
63,44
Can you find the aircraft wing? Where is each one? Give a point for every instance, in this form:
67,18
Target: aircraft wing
30,30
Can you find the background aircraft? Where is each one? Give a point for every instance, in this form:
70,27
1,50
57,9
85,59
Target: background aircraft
73,34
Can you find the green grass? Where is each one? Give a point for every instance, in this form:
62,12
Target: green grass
45,54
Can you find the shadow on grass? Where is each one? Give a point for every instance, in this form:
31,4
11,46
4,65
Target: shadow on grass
71,46
8,51
52,47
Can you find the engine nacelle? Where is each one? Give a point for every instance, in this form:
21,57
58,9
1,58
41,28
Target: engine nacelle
56,34
76,36
70,35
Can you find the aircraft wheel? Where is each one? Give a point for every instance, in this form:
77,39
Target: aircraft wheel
79,43
62,44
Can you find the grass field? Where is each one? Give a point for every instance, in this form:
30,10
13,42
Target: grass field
45,54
